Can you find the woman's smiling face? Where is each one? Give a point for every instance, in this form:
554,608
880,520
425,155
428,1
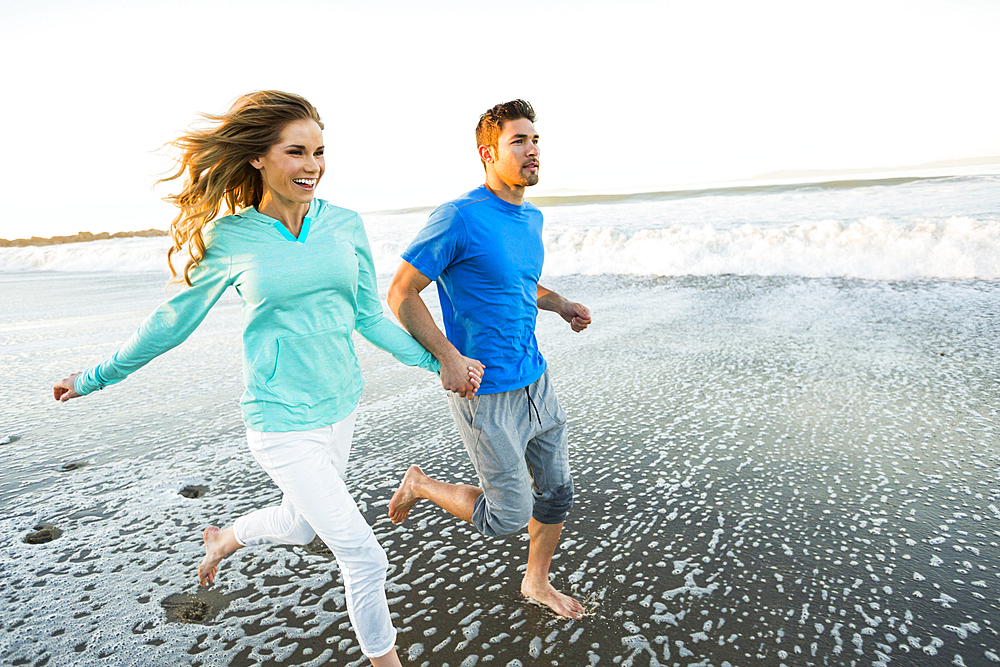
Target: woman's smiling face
292,168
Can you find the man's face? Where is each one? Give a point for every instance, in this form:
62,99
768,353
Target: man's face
516,156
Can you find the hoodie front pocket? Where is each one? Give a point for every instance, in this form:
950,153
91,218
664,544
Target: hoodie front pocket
313,368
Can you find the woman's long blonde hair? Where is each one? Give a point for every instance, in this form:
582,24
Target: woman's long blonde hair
215,165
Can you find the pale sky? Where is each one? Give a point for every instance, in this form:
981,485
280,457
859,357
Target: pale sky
630,95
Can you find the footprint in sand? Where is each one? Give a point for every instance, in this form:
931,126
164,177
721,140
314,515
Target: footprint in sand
197,608
43,533
318,547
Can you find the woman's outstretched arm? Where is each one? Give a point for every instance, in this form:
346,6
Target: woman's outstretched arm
166,327
64,390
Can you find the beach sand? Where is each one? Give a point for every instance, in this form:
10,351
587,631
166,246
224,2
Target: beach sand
769,471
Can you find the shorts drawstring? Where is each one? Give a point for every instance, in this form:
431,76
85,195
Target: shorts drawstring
472,420
531,404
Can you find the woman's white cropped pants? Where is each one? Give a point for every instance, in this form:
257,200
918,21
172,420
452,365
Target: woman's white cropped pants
308,466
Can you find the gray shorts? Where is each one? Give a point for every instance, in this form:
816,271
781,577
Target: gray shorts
517,443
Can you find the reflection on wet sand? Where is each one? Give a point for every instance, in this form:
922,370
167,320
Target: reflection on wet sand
769,471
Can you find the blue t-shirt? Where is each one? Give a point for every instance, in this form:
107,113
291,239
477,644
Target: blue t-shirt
486,256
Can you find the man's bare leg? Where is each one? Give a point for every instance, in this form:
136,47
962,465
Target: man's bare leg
218,545
536,585
457,499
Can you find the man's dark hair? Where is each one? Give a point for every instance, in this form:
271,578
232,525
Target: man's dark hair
491,123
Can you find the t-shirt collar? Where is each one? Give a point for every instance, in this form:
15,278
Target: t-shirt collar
513,207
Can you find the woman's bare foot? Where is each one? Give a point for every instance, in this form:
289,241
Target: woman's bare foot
218,545
406,495
547,595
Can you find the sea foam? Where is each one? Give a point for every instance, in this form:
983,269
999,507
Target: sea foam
128,255
872,248
908,229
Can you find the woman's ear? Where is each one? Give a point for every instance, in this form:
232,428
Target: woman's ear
256,163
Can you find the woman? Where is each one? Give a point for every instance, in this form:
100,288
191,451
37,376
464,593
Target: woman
305,273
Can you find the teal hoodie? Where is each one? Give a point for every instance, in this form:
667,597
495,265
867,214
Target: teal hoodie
302,298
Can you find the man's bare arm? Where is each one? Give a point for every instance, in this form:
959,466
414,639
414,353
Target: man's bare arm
458,373
576,314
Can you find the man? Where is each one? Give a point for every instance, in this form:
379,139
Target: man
485,252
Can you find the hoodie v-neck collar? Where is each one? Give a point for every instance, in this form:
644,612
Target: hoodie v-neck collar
252,213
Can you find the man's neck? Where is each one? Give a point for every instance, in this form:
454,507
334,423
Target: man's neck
512,194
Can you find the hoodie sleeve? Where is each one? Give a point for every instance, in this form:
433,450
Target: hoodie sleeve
371,321
166,327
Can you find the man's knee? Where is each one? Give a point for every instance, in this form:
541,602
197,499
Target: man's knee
494,520
553,506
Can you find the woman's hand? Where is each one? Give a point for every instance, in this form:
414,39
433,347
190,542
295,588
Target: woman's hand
64,389
461,375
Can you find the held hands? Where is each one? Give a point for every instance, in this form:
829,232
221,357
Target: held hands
64,389
461,375
576,314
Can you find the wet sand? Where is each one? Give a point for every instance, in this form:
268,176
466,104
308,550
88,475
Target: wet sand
769,471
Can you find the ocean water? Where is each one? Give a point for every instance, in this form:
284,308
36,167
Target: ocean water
784,431
902,228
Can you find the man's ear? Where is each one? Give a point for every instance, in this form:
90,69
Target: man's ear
487,154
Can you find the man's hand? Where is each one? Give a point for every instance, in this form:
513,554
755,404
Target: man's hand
461,375
576,314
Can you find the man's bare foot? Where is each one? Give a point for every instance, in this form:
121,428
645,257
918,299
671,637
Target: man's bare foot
218,545
558,602
406,495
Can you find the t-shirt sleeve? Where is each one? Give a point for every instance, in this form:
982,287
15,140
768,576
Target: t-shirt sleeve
439,244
